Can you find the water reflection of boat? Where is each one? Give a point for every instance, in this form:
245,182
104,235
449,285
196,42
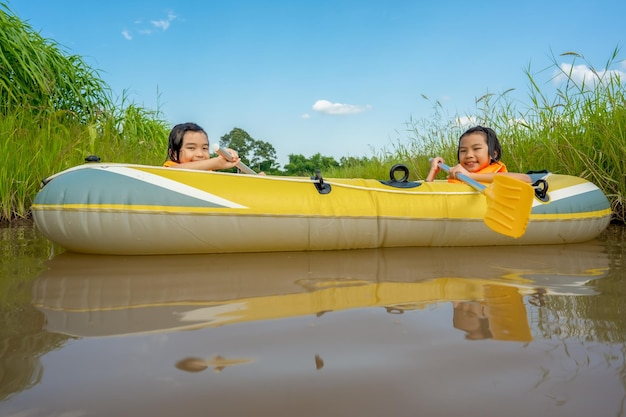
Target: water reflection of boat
88,295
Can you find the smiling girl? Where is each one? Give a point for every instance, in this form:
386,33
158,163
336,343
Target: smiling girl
479,155
188,147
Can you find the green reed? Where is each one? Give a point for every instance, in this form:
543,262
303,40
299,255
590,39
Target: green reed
37,146
37,73
55,111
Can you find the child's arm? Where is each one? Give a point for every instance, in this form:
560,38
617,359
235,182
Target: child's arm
486,177
213,164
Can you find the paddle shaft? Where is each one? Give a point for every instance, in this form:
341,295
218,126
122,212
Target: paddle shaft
226,154
464,178
470,181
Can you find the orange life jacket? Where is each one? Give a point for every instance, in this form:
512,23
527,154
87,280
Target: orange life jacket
489,169
169,163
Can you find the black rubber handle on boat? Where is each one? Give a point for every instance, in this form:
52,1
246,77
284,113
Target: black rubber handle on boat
226,154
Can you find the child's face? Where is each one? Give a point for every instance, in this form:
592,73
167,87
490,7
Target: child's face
195,147
474,152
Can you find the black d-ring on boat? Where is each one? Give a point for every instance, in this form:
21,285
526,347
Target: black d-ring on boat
318,181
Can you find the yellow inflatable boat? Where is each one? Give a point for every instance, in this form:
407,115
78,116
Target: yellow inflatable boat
107,208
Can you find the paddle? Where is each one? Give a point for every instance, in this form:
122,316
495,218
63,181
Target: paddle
226,154
509,202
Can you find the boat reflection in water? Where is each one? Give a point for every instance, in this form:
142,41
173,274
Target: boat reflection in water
89,295
85,295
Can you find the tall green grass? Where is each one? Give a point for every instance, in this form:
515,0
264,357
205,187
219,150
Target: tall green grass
55,111
37,146
583,129
37,74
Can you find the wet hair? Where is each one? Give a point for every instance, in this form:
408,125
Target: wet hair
493,144
175,141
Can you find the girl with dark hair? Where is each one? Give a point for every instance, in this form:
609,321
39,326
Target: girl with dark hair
188,147
478,157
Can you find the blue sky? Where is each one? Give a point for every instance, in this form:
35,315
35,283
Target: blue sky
338,77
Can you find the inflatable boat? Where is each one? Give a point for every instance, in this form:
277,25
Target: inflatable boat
125,209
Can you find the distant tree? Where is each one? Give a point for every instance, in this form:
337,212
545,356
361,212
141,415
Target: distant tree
257,154
264,158
299,165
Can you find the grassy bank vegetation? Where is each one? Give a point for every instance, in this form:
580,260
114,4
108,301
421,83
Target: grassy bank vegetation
38,145
55,111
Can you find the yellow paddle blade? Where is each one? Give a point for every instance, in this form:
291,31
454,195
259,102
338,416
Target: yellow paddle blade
509,202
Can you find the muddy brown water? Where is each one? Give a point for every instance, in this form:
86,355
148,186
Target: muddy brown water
514,331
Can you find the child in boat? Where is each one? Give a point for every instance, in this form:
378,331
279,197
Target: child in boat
478,155
188,147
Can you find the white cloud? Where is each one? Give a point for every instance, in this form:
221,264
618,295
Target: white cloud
164,24
583,74
466,121
517,121
326,107
306,116
161,24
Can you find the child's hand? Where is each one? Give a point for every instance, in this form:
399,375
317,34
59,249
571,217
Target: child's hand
434,168
434,163
457,169
228,161
234,158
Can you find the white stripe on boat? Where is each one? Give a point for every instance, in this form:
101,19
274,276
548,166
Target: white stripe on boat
567,192
168,184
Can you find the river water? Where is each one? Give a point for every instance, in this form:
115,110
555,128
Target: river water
514,331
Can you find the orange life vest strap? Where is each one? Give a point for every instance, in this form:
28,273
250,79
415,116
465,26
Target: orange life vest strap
489,169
